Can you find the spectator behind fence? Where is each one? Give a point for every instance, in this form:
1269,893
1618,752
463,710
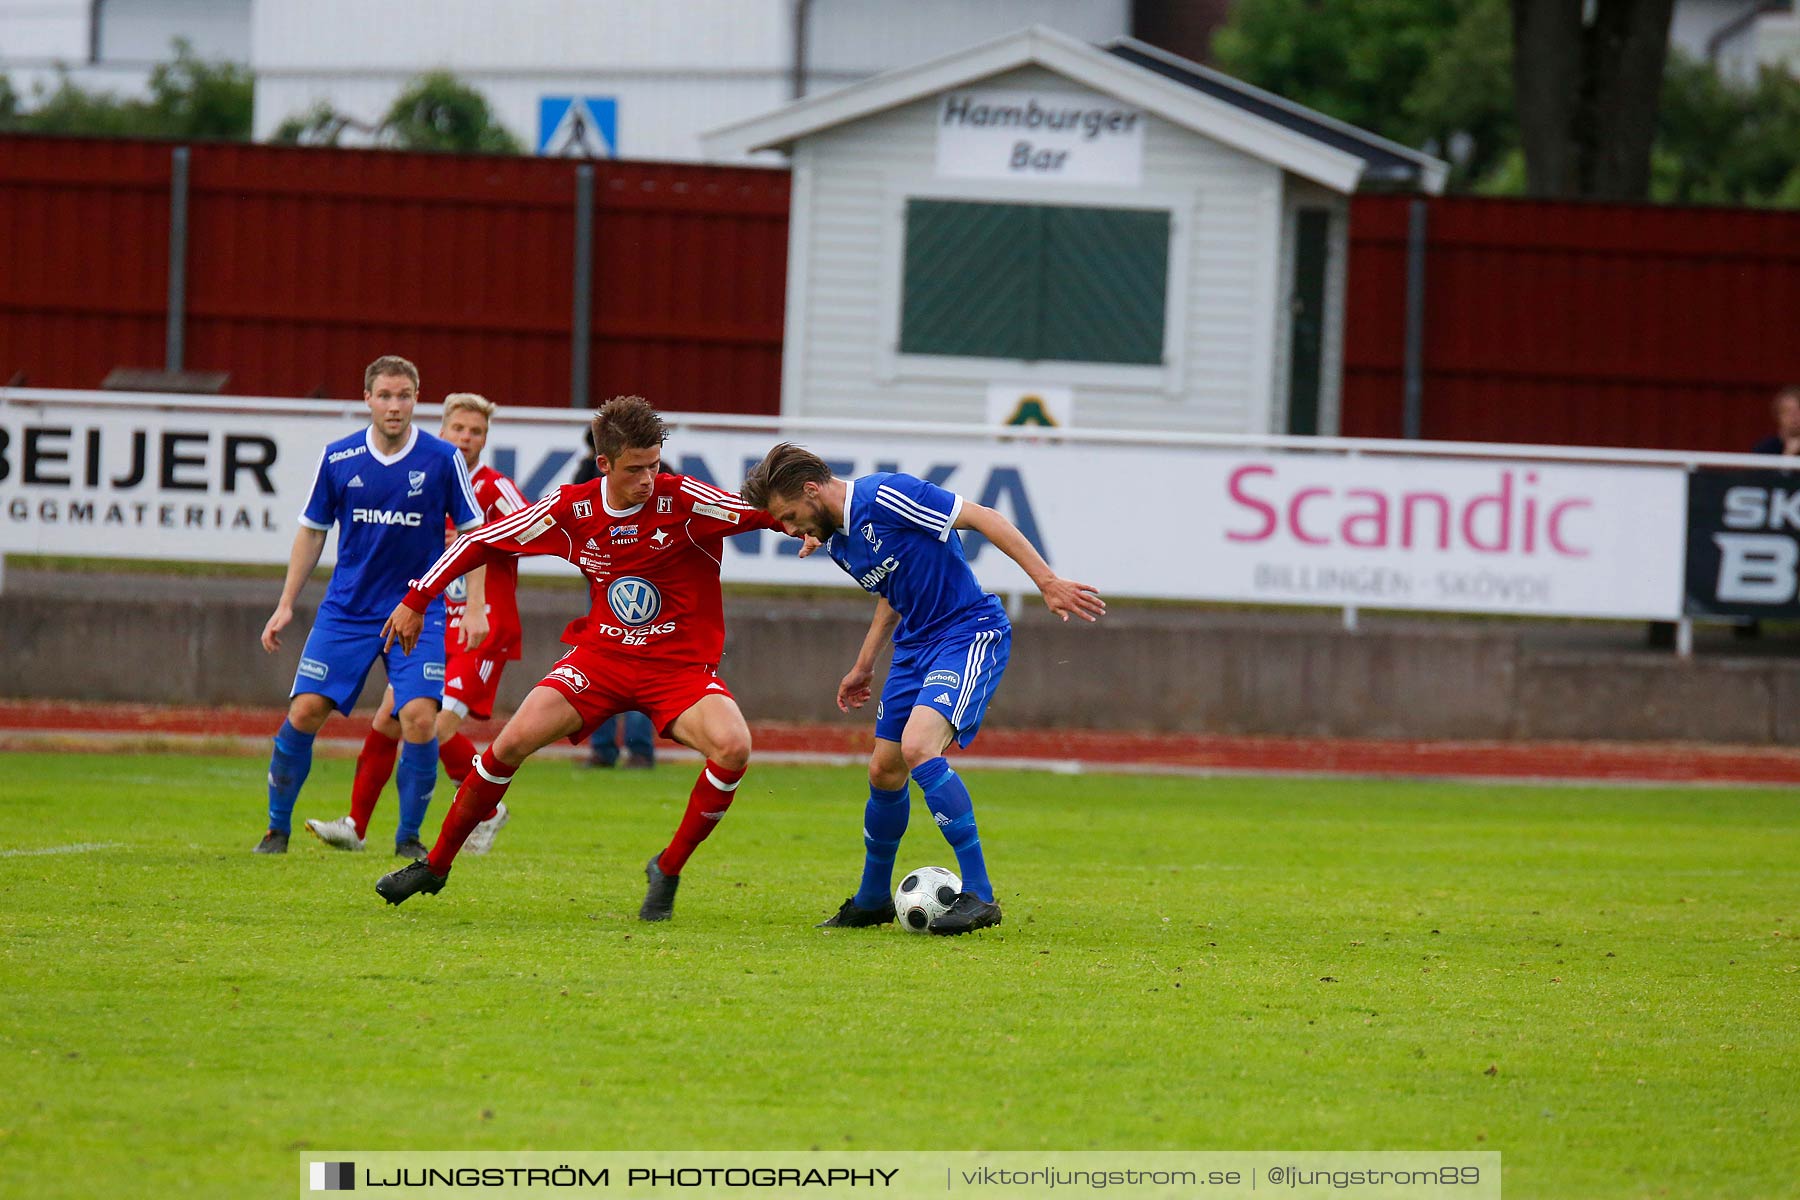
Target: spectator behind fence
1786,438
1784,441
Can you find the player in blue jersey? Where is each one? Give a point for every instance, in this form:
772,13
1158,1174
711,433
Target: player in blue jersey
894,535
388,488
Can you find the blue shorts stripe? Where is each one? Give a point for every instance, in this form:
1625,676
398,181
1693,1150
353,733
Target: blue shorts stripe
955,677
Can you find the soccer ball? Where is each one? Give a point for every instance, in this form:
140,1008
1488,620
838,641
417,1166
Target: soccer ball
923,896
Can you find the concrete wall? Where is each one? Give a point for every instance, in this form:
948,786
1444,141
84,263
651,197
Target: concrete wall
97,637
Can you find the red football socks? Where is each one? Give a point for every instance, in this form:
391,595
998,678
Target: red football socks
476,801
374,767
457,753
705,809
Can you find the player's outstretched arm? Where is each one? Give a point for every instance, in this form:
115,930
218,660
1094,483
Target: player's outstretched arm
1064,597
475,622
309,544
855,688
465,554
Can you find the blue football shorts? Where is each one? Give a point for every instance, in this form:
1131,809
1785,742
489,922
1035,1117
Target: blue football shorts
339,653
955,675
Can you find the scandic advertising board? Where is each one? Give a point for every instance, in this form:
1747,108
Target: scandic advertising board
1474,535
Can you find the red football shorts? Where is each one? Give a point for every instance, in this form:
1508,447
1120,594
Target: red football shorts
470,683
605,685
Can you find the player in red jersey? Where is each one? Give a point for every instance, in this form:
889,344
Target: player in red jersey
477,647
649,544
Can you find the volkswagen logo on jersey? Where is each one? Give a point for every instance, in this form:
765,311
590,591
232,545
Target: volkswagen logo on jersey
633,600
458,591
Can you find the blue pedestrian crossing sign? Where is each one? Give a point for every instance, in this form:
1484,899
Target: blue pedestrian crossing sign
578,126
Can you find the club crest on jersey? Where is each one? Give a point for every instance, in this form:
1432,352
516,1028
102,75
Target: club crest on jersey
869,534
660,539
635,601
417,480
665,504
584,508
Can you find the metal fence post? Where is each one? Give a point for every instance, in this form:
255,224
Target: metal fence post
1413,363
583,316
174,336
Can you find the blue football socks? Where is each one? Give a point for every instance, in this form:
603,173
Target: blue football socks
288,767
415,778
950,805
884,823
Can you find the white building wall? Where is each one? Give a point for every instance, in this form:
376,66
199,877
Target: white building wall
844,285
1716,31
41,32
677,67
853,39
38,38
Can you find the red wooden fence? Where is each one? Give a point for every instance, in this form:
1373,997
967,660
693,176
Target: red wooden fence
303,264
1576,324
1609,325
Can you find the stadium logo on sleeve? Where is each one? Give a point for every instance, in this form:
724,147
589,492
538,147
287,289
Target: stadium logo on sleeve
947,678
716,512
635,601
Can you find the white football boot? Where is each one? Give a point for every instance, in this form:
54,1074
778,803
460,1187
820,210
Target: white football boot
339,834
481,838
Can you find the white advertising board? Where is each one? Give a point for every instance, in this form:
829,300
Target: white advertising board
1141,519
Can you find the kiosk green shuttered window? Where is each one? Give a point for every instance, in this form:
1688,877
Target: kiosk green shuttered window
1035,282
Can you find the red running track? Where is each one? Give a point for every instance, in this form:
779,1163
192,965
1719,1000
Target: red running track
1659,762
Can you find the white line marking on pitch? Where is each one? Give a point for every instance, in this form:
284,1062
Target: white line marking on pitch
77,848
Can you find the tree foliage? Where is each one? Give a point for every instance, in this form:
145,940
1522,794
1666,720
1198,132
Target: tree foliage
1723,143
1434,74
436,111
189,98
1438,75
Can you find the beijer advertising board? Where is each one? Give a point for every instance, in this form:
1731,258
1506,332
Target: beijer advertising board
1135,520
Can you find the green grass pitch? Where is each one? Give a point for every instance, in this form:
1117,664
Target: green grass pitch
1599,983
